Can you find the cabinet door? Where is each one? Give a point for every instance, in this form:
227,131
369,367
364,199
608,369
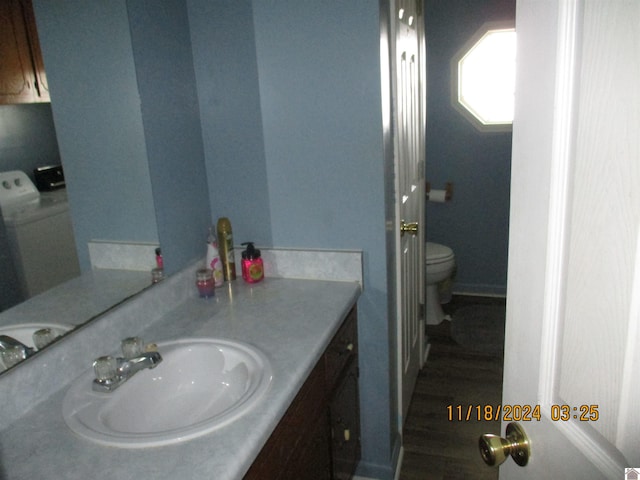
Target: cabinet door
15,67
313,460
344,411
293,445
22,75
40,75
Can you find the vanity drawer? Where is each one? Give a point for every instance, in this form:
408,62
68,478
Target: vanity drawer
342,348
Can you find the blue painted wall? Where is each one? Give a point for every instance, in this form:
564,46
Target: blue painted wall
171,118
475,223
224,51
125,107
27,137
319,73
290,104
96,109
290,134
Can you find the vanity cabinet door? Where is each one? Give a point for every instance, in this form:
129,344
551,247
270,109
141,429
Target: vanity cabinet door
318,438
293,446
22,75
313,461
344,413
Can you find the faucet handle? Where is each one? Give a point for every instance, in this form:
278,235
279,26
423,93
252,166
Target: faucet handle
12,355
43,337
105,368
132,347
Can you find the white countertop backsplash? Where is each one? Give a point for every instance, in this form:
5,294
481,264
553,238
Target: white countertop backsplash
122,255
290,320
335,265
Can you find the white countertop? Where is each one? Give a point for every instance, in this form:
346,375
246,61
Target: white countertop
78,300
291,321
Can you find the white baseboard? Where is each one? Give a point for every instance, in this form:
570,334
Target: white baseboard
474,293
396,476
425,349
399,464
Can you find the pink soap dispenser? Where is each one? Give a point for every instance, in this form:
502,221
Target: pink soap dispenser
252,266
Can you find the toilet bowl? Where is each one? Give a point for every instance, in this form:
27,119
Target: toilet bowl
440,264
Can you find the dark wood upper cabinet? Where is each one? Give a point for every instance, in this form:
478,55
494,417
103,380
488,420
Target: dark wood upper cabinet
22,74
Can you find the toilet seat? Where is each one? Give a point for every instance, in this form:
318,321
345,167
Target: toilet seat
437,253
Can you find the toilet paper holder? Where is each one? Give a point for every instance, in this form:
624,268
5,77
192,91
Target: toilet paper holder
448,191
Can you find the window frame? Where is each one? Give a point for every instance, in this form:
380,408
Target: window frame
455,80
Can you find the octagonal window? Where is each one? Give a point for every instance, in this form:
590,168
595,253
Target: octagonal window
484,78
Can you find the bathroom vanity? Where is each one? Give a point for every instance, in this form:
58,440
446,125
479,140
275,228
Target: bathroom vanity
319,435
306,421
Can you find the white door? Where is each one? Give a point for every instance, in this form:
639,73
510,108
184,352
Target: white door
409,119
573,304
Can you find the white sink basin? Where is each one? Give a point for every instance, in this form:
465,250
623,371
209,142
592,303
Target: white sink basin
23,332
202,384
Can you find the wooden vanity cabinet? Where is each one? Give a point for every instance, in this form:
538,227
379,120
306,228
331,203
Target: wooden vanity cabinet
344,415
22,75
319,436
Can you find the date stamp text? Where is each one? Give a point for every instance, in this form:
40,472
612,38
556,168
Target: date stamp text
521,413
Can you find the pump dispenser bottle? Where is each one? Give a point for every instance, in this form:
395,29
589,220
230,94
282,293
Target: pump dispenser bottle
252,265
225,237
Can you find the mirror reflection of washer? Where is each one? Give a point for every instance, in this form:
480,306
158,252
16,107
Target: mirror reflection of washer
39,233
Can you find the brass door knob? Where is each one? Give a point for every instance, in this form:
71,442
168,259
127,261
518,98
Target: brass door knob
411,227
495,449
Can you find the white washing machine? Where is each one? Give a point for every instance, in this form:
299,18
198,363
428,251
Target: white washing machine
39,233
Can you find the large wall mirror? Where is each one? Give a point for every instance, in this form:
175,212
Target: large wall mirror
78,133
42,296
123,103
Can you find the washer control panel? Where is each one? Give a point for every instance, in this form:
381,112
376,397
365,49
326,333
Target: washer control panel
15,188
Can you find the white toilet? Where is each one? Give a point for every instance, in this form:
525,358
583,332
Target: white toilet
440,265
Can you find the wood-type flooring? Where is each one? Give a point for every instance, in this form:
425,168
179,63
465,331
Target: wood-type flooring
439,442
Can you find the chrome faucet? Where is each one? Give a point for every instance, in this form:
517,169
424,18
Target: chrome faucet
13,348
111,372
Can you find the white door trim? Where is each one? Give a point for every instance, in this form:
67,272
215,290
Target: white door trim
560,194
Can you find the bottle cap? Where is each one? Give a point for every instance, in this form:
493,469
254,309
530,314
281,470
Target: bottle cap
251,253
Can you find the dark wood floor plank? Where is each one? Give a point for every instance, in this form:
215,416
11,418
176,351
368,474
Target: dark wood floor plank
438,445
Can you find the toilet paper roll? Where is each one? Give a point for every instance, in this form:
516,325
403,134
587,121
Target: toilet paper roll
438,196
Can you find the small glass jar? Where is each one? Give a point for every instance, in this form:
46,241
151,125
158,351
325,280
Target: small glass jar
157,275
205,283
